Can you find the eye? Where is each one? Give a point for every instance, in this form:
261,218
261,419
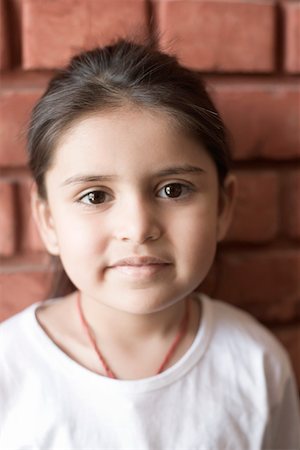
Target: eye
95,197
174,190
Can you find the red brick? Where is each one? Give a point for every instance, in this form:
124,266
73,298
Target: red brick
7,219
266,283
256,214
114,18
263,117
15,109
291,12
290,338
28,80
66,27
291,204
4,40
20,288
219,36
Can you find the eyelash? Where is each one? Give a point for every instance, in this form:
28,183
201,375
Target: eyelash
186,187
95,191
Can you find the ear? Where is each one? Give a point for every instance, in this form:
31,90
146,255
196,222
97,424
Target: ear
227,198
44,221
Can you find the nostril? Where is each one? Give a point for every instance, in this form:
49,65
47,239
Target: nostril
139,236
138,223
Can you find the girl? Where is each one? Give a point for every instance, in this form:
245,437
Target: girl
132,192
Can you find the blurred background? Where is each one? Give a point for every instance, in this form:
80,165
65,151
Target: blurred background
248,51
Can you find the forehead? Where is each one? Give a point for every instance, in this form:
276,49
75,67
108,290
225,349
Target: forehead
132,124
128,138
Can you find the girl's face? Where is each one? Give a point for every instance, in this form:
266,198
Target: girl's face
134,210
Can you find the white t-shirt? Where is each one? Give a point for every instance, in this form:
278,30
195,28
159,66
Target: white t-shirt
232,390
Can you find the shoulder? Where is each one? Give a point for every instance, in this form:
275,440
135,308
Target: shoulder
24,353
15,337
27,321
234,324
14,326
243,344
21,336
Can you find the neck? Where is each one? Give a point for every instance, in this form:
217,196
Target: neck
128,330
133,345
135,357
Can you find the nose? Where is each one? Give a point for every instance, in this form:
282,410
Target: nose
137,222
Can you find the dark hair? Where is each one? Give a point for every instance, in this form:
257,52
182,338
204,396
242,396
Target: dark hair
116,75
109,77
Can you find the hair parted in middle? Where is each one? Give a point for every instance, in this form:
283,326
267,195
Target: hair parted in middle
111,77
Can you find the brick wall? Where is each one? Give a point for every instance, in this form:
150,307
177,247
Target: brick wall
249,52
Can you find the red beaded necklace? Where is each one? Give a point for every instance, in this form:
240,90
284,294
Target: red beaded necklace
109,373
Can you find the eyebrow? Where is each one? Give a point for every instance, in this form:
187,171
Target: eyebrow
176,170
79,179
180,170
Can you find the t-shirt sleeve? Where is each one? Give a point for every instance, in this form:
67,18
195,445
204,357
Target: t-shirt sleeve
283,428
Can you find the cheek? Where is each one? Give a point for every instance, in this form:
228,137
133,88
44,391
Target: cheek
198,223
80,238
196,235
80,250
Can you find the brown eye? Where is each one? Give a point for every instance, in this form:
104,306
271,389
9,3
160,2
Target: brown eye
95,197
174,190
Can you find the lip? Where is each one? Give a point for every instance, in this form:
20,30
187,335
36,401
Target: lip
140,267
137,261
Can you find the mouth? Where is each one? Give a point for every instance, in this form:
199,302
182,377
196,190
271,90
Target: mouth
140,266
137,261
